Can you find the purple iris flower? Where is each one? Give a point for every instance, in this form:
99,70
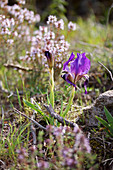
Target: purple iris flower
78,68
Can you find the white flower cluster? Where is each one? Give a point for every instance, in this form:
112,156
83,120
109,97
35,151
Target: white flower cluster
3,3
60,24
51,19
21,2
12,28
22,14
15,32
6,25
49,38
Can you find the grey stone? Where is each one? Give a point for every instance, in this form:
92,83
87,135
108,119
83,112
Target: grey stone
97,108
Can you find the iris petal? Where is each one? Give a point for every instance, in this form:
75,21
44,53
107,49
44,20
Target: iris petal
84,65
66,78
80,65
86,83
78,69
67,62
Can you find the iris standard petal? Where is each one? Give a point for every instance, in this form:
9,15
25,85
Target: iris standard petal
67,62
84,64
74,67
80,65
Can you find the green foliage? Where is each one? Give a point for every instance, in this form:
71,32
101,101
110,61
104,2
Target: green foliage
108,125
90,37
57,8
34,107
13,141
37,108
19,101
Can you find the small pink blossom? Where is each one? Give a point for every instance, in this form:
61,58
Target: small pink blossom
71,26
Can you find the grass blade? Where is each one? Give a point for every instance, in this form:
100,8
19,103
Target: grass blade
109,117
103,122
20,104
36,108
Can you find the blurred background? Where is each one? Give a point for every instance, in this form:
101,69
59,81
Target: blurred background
71,9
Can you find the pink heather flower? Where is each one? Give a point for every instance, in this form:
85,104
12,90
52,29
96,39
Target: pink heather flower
3,3
37,18
43,29
21,2
71,26
60,24
51,35
10,41
51,19
43,164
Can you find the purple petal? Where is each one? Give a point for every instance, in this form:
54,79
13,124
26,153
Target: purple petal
86,83
80,65
67,62
66,78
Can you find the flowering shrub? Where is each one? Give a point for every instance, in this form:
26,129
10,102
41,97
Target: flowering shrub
15,29
49,38
65,148
18,36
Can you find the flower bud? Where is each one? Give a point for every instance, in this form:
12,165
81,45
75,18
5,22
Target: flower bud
50,59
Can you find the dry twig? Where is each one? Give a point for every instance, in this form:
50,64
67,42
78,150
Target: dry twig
105,161
36,123
18,67
58,117
3,164
107,70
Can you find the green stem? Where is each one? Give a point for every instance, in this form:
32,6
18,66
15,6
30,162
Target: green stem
70,102
52,87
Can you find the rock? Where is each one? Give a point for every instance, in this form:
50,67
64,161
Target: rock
97,109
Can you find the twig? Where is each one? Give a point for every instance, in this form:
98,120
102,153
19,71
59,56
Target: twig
2,88
3,164
58,117
18,67
107,70
11,93
111,162
105,161
100,140
36,123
